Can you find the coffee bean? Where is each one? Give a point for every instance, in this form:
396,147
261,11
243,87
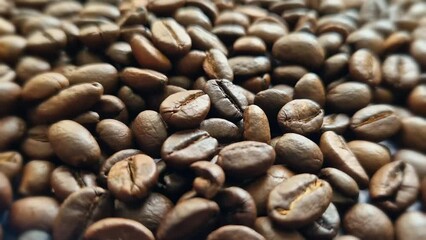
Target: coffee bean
286,201
195,59
370,155
87,119
227,100
375,122
207,7
36,178
133,101
413,133
410,226
267,229
244,66
12,129
250,45
114,134
120,53
414,158
10,94
44,86
110,106
98,36
117,228
337,123
365,67
345,189
256,125
148,56
401,71
391,182
246,159
164,7
327,226
11,46
80,210
416,102
302,116
46,41
186,147
341,96
100,9
228,33
28,67
185,109
271,101
237,207
10,163
204,40
133,177
170,37
33,213
188,16
6,193
417,50
298,153
103,73
223,130
73,144
210,178
200,212
310,87
289,74
367,40
268,31
65,180
337,154
216,65
366,221
234,232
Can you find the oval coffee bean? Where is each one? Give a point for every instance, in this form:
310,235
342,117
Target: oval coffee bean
325,227
310,87
133,177
414,158
341,97
74,144
256,125
287,202
302,116
271,101
246,159
186,147
216,65
221,129
345,189
413,133
205,40
148,56
365,67
410,226
416,100
209,178
185,109
401,71
43,86
117,228
36,178
64,181
114,134
370,155
235,232
36,145
10,94
143,80
103,73
245,66
150,131
170,37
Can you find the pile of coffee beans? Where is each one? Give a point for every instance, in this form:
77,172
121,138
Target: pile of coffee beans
212,119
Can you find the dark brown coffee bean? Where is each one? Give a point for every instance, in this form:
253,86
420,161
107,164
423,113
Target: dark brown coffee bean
337,154
75,99
413,133
337,123
185,109
335,66
414,158
12,129
117,228
302,116
114,134
394,187
10,163
401,71
33,213
325,227
204,40
154,100
237,207
210,178
80,210
246,159
110,106
287,200
299,48
44,86
370,155
133,101
268,31
11,47
410,226
256,125
345,189
10,94
6,193
234,232
181,81
310,87
260,188
267,229
223,130
148,56
186,147
341,96
200,212
188,16
250,45
244,66
36,178
65,180
365,67
416,100
375,122
195,59
298,153
228,33
103,73
216,65
227,100
98,36
164,7
288,74
87,119
366,221
170,37
271,101
121,53
133,177
74,144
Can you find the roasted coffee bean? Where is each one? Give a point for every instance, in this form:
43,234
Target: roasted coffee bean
188,16
207,7
299,48
413,133
310,87
401,71
44,86
337,123
341,97
267,30
226,99
121,53
65,180
46,41
103,73
110,106
410,226
370,155
234,232
74,144
80,210
205,40
271,101
246,159
36,178
260,188
375,122
133,101
133,177
195,59
6,193
114,134
244,66
325,227
298,153
170,37
366,221
394,187
287,201
223,130
10,94
117,228
289,74
365,67
414,158
185,109
210,178
250,45
99,36
257,83
28,67
237,207
164,6
417,50
150,212
416,102
345,189
216,65
33,213
338,154
12,129
88,119
256,125
232,17
335,66
76,99
367,39
302,116
11,46
228,33
186,147
10,163
148,56
199,211
267,229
